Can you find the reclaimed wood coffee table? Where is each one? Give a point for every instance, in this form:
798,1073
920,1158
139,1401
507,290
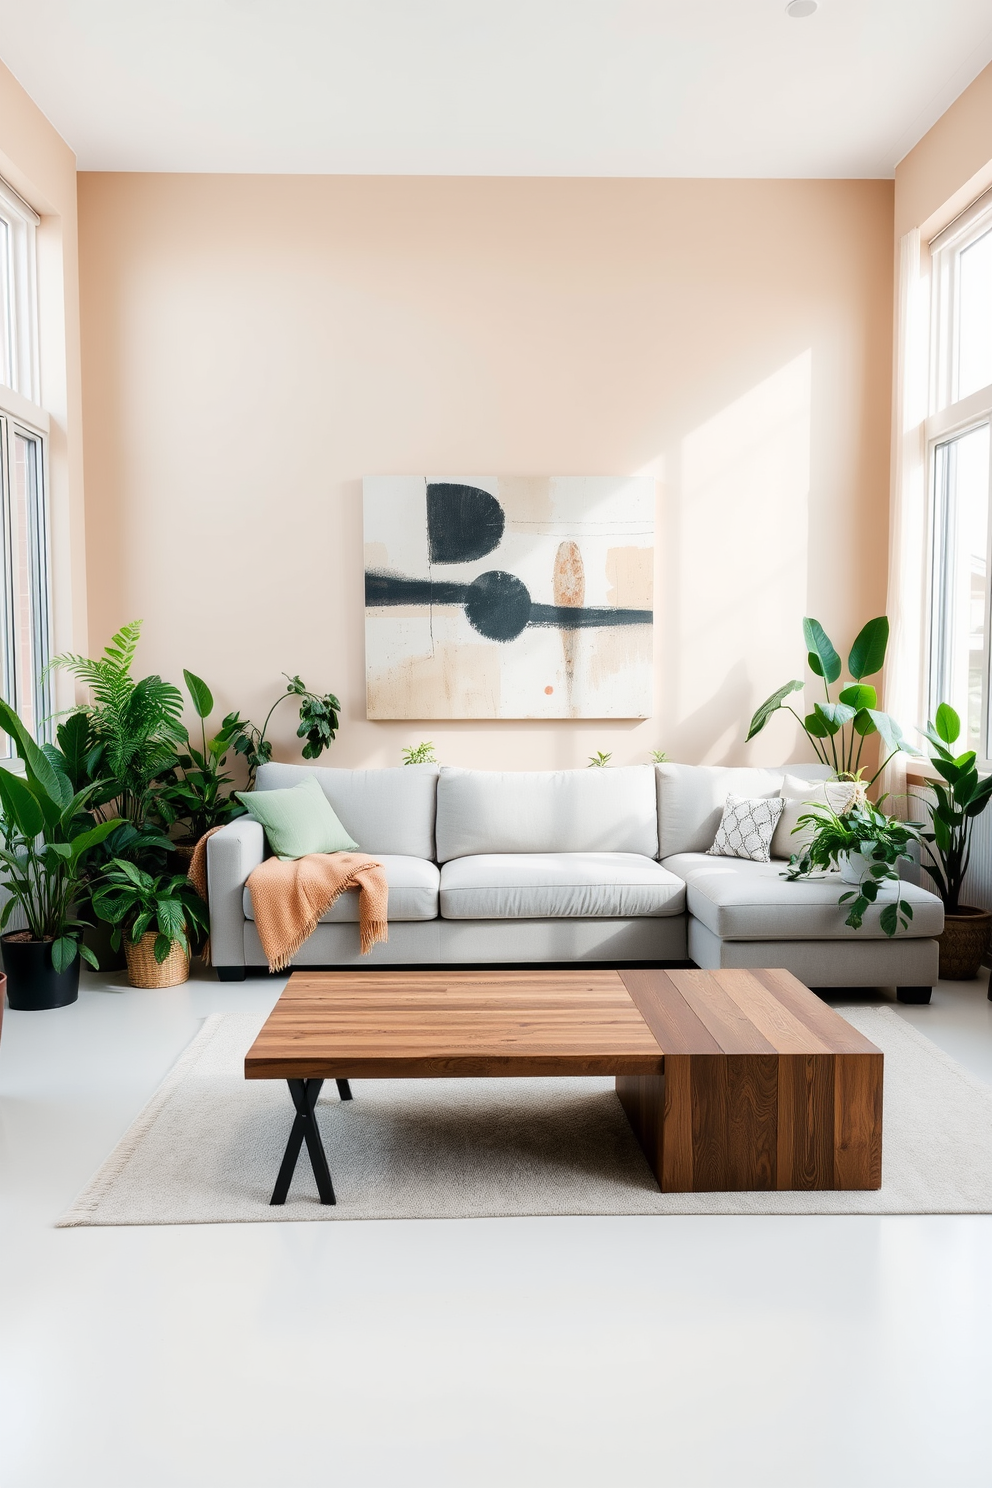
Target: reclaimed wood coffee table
730,1080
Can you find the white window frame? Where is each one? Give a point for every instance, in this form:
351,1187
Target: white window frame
21,412
19,362
949,417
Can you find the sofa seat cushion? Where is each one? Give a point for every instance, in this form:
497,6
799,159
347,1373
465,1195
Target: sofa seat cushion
739,900
579,885
413,890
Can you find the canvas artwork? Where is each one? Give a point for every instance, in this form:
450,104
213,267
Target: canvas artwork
509,598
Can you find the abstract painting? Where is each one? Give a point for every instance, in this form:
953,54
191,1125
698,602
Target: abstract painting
509,597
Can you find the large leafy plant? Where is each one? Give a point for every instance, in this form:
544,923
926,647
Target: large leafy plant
78,755
838,727
137,726
319,723
883,841
200,797
135,902
960,798
48,837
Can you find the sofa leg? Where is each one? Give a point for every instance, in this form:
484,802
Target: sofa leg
230,973
913,994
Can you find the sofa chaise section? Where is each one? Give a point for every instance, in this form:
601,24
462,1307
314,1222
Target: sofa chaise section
745,914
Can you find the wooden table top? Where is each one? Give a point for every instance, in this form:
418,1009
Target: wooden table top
401,1024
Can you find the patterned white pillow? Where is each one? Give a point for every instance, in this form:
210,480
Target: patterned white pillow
747,828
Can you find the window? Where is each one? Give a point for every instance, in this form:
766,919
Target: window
25,610
959,431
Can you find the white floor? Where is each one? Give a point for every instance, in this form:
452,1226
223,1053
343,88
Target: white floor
790,1353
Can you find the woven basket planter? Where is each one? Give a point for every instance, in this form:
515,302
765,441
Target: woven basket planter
963,942
184,855
144,971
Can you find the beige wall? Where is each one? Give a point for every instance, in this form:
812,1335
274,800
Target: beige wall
951,165
40,166
252,346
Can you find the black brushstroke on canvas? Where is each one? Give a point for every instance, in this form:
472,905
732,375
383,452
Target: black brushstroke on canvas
463,523
498,604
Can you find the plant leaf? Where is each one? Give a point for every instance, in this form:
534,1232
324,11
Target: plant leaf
64,952
202,697
947,724
891,732
771,705
20,805
823,659
859,696
868,652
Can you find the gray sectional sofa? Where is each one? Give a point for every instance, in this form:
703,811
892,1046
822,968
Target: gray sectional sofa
573,865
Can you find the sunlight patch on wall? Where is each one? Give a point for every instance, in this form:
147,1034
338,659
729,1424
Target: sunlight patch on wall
743,559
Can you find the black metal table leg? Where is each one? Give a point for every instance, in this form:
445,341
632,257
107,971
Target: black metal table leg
305,1129
344,1089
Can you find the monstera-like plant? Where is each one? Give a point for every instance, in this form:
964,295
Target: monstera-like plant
838,726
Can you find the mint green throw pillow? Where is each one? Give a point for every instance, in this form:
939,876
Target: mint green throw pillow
298,821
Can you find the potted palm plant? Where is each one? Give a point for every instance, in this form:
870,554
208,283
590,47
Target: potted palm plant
838,727
959,798
155,916
48,837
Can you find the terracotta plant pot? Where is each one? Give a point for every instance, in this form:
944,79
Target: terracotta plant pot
33,984
144,971
963,942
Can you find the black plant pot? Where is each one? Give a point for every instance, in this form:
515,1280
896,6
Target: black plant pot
97,937
32,981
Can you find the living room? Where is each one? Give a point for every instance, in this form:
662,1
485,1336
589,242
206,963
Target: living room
274,278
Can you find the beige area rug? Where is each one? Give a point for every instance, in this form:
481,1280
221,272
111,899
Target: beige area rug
207,1147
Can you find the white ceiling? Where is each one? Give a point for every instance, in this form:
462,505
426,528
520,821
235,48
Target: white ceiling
495,87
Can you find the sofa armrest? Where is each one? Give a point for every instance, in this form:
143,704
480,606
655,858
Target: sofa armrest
232,853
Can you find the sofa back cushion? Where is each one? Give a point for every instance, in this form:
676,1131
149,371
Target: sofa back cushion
541,811
386,811
691,799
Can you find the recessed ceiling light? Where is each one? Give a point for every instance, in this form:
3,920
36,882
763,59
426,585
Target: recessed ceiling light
797,9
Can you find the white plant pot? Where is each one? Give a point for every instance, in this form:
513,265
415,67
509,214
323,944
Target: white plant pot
853,867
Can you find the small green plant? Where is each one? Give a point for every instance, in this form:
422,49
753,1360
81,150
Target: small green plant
48,837
659,757
883,841
319,723
838,729
952,815
599,760
197,798
420,754
134,902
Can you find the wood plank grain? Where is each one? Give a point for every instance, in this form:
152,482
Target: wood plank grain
676,1027
805,1158
786,1033
751,1140
724,1018
678,1169
858,1121
824,1021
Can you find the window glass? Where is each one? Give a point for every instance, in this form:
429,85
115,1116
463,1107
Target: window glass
961,489
975,316
6,308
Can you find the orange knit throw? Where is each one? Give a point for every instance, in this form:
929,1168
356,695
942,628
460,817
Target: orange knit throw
289,898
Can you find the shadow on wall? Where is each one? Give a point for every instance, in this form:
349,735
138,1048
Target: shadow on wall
733,591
